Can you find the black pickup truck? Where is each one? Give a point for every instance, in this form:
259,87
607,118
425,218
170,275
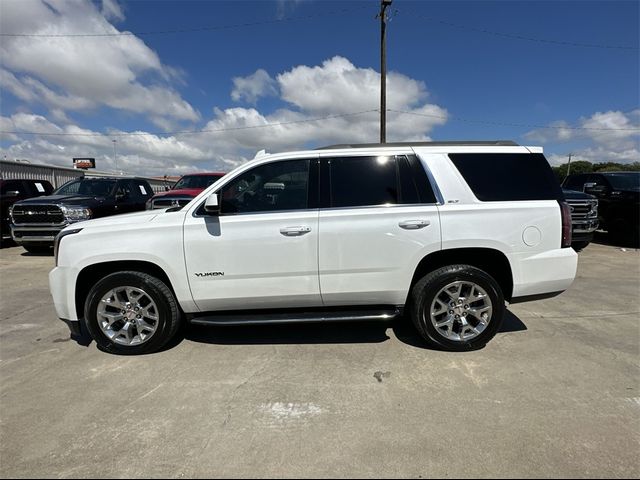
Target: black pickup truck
14,190
36,222
618,195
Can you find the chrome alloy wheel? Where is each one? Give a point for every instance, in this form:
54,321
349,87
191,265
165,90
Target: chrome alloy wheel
461,311
127,316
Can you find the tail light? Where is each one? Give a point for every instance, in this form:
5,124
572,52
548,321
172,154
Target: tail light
565,211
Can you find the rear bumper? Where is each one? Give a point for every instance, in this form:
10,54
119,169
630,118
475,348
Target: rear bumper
549,272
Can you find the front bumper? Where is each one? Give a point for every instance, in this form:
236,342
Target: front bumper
35,234
62,282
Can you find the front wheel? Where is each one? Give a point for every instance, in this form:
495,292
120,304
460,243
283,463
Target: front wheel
457,307
131,313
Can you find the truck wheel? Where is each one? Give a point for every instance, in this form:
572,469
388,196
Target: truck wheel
131,313
39,249
457,307
577,246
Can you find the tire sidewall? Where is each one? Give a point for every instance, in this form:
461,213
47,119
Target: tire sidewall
470,274
131,279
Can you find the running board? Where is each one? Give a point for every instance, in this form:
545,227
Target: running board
233,318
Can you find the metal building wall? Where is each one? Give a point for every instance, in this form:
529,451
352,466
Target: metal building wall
58,176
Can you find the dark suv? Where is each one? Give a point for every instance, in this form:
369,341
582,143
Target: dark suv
618,195
36,222
12,191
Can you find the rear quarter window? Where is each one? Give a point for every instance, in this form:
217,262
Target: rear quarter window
498,177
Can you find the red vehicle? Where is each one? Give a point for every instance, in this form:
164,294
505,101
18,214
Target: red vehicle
185,189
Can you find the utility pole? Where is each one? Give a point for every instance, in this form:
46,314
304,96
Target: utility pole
569,165
383,69
115,157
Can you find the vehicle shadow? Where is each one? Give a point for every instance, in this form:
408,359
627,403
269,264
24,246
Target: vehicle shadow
603,238
37,254
319,333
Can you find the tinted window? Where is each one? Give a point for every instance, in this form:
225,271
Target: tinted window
624,181
92,188
142,189
575,182
196,181
414,183
40,187
270,187
12,186
495,177
362,181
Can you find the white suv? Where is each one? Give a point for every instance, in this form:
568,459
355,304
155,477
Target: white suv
443,232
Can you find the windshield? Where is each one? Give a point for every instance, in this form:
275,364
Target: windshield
196,181
624,181
89,188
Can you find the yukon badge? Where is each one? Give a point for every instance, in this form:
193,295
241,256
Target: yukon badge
210,274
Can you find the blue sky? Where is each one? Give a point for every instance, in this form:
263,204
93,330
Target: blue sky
451,67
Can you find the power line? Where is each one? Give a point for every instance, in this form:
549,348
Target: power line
507,124
316,119
188,30
520,37
190,132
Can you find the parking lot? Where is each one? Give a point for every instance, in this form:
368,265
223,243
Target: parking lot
555,394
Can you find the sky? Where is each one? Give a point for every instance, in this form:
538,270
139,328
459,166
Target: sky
188,86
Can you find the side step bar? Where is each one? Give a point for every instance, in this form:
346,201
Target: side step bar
252,318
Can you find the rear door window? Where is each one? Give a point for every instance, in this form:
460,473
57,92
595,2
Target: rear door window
363,181
499,177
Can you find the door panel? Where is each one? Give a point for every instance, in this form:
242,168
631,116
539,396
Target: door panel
262,250
244,261
368,255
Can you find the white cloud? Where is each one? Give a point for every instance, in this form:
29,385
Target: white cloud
611,136
249,89
111,10
78,73
308,95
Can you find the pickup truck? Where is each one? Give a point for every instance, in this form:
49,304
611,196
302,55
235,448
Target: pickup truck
584,217
185,189
442,233
36,222
618,195
14,190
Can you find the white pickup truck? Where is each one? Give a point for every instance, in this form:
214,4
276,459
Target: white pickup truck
442,232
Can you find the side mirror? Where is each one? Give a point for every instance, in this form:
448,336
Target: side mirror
211,205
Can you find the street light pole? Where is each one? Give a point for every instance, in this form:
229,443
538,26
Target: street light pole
383,69
115,157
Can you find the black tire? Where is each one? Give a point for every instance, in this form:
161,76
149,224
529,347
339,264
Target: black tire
577,246
39,249
424,291
169,315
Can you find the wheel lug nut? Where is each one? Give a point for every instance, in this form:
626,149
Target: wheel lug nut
457,317
459,302
466,307
450,312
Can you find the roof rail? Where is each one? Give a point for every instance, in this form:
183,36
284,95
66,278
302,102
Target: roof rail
461,143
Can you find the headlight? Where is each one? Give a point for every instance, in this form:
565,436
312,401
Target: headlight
60,236
76,213
11,213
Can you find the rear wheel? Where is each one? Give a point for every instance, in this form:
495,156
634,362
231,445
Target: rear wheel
457,308
131,313
577,246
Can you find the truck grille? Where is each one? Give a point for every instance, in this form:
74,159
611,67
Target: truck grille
170,202
583,209
42,214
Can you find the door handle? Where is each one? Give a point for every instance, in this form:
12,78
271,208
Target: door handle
414,224
294,231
